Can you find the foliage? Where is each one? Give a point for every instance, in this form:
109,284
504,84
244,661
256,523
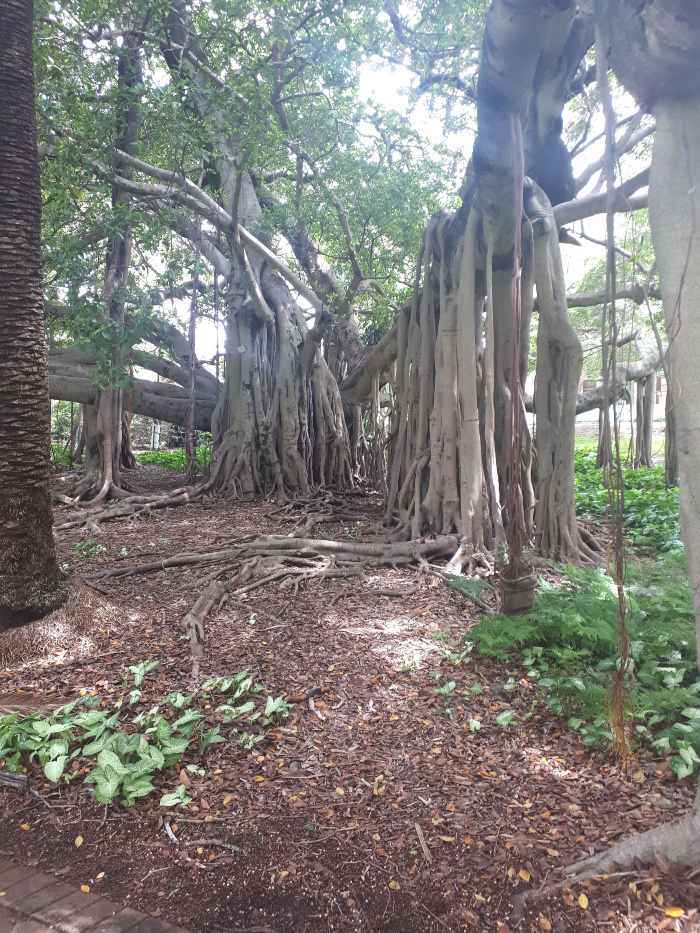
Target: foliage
569,645
119,754
172,459
60,458
88,548
650,513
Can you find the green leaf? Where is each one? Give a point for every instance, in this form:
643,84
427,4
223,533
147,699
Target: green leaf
505,718
108,759
185,724
54,769
107,781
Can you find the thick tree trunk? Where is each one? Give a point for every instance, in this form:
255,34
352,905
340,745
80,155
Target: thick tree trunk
674,206
31,584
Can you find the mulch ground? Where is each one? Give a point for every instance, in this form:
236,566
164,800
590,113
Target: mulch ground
378,805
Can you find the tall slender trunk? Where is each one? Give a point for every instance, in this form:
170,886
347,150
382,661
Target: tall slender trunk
31,584
103,457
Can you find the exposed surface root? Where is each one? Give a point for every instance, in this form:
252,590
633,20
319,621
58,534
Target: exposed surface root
275,558
131,507
676,842
192,624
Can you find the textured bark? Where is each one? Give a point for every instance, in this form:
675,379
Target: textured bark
159,401
646,390
31,584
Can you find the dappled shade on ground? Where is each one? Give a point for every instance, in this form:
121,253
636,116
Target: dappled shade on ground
325,808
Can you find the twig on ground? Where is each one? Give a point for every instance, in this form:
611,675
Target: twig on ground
213,842
423,844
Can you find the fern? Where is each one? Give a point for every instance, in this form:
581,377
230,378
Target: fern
569,643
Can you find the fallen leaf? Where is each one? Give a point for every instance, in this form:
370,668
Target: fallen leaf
638,777
553,853
582,901
545,924
674,912
85,888
394,885
78,840
227,799
282,875
447,838
525,875
258,779
101,875
339,790
25,826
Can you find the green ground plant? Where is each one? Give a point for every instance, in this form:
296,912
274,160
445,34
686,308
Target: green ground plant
650,513
173,459
119,754
569,646
88,548
60,458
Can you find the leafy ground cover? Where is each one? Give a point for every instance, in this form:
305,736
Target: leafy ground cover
391,725
650,511
568,646
120,754
172,459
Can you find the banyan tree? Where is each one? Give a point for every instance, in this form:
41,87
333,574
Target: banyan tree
289,415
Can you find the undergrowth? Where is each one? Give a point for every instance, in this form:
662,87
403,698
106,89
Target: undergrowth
650,513
173,459
569,645
118,753
60,457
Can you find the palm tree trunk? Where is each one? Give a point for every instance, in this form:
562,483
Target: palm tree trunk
31,584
